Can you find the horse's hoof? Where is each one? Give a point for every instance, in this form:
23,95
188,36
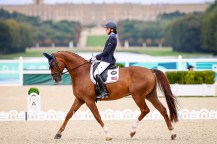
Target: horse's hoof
57,136
173,136
108,138
132,134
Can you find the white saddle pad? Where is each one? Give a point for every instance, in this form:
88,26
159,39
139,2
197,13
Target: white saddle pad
111,76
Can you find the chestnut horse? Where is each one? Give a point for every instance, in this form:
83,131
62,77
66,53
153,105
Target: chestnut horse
139,82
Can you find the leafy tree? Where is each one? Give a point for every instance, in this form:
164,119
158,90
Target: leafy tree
43,32
209,29
5,38
171,16
14,36
175,15
184,34
60,33
139,32
213,7
26,35
4,14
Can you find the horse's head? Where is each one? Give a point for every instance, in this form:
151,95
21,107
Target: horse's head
56,67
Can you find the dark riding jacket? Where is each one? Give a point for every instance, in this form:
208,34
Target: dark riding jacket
108,53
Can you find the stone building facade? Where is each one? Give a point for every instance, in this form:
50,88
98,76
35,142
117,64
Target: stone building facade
101,12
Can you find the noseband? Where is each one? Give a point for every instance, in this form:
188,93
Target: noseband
57,66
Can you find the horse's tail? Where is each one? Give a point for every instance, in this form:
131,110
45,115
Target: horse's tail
164,86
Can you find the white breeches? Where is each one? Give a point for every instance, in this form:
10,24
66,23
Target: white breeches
100,68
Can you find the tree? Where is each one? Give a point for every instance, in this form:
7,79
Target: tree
4,14
43,32
60,33
209,29
5,38
212,8
138,32
26,35
171,16
184,34
14,37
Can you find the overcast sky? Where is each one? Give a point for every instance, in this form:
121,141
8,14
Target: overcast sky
107,1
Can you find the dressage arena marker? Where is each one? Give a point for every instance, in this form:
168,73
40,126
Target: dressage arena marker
109,114
33,103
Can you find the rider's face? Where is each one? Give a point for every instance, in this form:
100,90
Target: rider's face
107,30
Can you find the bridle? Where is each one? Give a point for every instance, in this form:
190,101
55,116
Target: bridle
57,66
59,73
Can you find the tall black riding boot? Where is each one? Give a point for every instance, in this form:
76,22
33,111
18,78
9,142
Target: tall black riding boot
104,92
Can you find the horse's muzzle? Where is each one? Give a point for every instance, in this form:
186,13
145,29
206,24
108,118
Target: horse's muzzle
57,79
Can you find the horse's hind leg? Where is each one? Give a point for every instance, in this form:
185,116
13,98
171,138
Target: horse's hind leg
140,101
152,97
75,106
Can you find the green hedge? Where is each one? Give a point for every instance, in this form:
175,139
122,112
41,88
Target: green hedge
188,77
120,65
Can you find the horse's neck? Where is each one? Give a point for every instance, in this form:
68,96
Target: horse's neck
76,66
79,73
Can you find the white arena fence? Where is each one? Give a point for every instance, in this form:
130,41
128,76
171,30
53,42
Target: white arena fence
40,66
109,114
22,66
34,113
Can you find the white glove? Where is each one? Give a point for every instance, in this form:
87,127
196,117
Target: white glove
93,58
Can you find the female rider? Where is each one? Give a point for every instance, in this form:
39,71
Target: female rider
106,57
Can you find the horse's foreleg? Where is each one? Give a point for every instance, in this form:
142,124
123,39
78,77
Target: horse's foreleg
144,111
92,106
75,106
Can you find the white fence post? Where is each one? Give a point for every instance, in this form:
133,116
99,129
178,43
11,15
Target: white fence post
179,62
21,70
126,64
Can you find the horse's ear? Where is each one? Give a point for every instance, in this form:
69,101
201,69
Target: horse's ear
49,57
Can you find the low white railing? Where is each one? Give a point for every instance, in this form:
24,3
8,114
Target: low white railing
109,114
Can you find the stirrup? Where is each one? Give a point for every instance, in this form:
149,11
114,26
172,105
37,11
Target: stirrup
101,96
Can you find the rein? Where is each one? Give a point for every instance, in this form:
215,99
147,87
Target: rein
74,68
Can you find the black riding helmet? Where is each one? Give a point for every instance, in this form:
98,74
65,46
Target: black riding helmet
111,25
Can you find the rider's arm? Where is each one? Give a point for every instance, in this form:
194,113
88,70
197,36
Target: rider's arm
111,43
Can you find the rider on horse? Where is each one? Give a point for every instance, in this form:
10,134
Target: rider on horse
106,57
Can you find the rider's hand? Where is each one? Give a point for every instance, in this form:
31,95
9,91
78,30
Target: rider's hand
93,58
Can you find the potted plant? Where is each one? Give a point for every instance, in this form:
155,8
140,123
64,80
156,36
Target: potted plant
33,90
